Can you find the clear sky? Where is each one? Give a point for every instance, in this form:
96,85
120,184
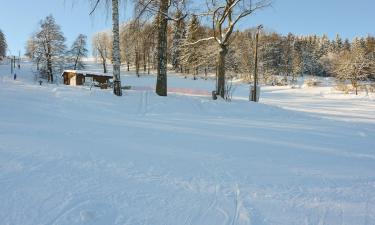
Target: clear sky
19,18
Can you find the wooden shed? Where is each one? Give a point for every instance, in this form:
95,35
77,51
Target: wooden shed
80,77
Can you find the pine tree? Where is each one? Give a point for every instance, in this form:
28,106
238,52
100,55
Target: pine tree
78,51
338,44
191,53
346,46
324,45
3,45
287,56
271,55
178,35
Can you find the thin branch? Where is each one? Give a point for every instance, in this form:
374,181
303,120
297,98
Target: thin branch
199,41
96,5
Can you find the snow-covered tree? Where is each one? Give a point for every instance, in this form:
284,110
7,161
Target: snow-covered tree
270,54
354,65
3,45
34,51
178,36
191,53
338,44
50,47
78,51
225,15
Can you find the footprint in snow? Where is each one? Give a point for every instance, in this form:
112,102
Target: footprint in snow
87,216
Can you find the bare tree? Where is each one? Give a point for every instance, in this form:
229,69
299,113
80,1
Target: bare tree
225,14
101,45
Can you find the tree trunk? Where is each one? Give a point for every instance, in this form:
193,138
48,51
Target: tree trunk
221,71
116,49
148,63
76,61
136,62
104,62
144,61
49,69
161,83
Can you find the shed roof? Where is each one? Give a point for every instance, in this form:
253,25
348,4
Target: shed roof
87,73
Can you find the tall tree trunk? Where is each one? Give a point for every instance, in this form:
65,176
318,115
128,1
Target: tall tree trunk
49,63
161,83
221,71
49,69
76,61
104,62
144,61
116,49
136,62
148,63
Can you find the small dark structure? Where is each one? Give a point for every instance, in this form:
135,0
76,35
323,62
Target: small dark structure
80,77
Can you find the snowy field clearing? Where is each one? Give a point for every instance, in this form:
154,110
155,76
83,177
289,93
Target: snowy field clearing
69,155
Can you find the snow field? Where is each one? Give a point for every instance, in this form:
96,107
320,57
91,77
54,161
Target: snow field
69,155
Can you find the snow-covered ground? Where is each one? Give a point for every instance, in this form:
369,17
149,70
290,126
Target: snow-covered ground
69,155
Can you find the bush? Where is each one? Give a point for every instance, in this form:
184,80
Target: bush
312,82
342,86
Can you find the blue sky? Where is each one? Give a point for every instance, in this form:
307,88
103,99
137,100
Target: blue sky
19,18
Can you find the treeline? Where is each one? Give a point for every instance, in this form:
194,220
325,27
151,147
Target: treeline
46,47
289,56
3,46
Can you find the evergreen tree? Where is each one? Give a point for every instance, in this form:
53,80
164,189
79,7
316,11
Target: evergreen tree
78,51
346,46
191,53
324,46
271,54
287,55
338,44
178,35
3,45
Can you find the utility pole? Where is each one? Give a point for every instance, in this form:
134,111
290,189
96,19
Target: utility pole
19,59
254,93
11,65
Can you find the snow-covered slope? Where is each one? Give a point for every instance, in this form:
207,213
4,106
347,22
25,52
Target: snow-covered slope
69,155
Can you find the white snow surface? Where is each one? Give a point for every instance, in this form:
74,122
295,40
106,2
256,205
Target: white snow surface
71,155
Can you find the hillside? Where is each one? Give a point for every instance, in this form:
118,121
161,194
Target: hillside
71,155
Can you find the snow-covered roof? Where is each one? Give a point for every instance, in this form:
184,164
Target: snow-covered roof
86,73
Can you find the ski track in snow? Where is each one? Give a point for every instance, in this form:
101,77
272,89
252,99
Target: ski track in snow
69,155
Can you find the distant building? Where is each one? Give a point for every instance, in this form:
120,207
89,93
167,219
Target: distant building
80,77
